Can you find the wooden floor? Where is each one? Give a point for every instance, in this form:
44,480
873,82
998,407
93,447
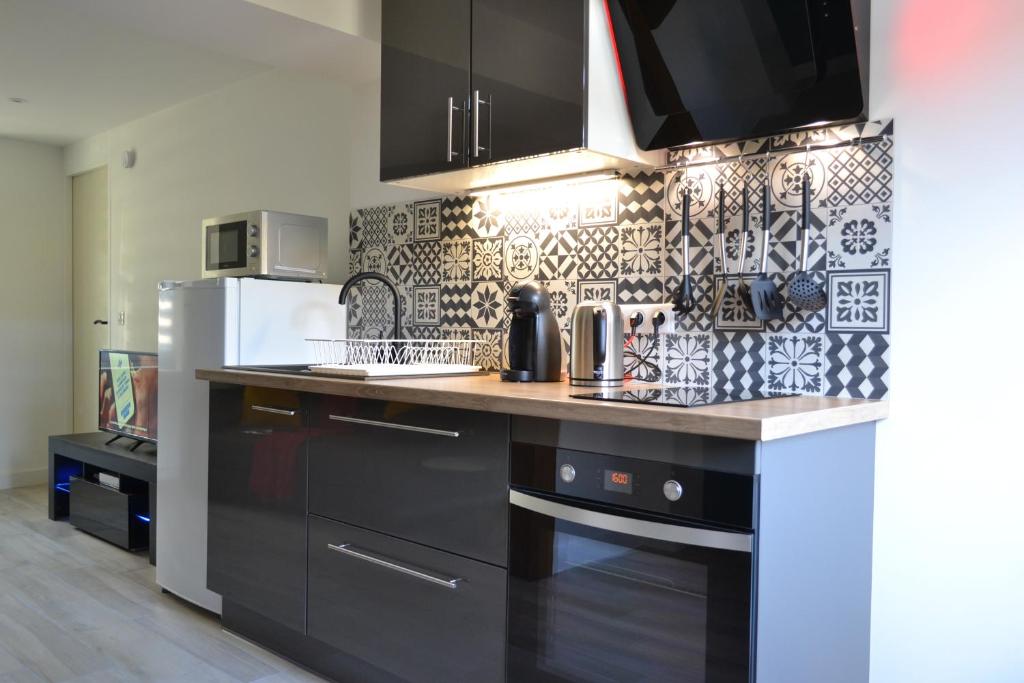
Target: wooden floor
74,608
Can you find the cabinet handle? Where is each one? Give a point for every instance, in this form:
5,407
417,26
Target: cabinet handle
449,152
346,549
273,411
392,425
477,103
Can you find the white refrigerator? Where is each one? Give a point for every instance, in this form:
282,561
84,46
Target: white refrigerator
208,324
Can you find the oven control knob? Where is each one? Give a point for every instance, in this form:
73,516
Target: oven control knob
673,490
254,251
567,473
254,231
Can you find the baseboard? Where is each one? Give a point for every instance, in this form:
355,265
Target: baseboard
13,480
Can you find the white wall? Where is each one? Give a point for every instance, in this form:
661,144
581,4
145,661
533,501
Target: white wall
367,190
949,545
35,308
278,141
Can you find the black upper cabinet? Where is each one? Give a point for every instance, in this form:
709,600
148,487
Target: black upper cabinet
424,62
525,59
528,68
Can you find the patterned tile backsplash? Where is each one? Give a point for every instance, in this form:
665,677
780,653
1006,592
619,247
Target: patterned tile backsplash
455,258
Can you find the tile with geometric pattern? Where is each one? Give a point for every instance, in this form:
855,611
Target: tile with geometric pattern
457,305
597,252
739,361
861,175
641,199
857,365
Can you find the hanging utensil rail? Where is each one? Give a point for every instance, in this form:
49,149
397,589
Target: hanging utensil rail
774,152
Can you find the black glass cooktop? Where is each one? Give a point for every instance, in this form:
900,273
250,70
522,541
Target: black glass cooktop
679,396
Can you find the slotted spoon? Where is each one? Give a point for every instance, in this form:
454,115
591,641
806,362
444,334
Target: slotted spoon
683,301
804,290
767,301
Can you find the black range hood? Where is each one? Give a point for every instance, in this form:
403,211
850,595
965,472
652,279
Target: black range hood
703,70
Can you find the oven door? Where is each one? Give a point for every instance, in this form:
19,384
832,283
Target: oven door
226,249
599,594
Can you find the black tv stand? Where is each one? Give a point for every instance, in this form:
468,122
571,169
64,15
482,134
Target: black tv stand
76,456
133,447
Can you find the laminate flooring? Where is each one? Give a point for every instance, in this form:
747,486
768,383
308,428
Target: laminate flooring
76,609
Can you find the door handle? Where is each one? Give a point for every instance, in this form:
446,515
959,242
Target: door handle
477,103
393,425
348,549
100,322
449,152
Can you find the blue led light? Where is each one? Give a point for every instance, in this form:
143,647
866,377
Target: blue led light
143,518
66,488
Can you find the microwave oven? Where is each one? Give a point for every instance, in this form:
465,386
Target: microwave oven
271,244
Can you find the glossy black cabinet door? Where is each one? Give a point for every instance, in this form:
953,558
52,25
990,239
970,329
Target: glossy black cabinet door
424,62
529,63
418,613
431,475
256,554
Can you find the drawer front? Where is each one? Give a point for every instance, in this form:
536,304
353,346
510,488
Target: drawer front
419,613
432,475
256,542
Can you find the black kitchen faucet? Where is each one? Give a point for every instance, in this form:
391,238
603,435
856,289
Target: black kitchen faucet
359,277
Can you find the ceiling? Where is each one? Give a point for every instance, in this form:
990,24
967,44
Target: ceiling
86,67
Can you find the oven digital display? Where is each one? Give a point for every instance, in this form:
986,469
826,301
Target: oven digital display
619,482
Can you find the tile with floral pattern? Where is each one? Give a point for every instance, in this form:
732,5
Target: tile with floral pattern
859,237
858,301
795,363
687,359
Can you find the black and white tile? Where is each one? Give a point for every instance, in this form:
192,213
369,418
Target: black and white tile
455,258
427,220
735,314
641,249
597,252
426,305
795,363
687,359
857,365
858,301
642,357
739,361
859,237
488,255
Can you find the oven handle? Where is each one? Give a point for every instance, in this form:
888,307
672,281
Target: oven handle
737,541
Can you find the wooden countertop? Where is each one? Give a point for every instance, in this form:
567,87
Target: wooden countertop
752,420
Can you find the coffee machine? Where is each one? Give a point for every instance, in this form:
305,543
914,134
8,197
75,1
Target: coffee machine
595,350
534,344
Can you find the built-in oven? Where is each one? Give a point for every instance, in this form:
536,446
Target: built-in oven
269,244
623,569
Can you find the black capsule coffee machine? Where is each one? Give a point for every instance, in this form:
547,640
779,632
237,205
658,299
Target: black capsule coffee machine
534,345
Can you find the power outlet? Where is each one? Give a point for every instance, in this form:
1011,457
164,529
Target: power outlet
649,312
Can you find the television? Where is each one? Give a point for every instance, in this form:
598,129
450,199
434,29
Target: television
128,394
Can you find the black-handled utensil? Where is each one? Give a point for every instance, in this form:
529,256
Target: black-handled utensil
682,296
765,297
716,303
804,290
742,290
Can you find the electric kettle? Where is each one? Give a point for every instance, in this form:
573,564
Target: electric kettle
595,356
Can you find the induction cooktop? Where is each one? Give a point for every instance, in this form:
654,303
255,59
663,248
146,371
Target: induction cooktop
680,396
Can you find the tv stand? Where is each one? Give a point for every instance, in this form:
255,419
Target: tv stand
75,455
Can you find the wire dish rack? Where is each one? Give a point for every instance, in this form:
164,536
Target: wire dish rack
385,357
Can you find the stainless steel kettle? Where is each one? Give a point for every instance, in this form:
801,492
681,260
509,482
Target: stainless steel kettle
595,356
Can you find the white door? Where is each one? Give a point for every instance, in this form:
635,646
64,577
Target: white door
90,283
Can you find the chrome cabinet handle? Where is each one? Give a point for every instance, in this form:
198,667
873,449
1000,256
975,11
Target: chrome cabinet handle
449,152
274,411
392,425
687,535
346,549
477,103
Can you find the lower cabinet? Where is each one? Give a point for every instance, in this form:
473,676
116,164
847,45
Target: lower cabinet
419,613
256,543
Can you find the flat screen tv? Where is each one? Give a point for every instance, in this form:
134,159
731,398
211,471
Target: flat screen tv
128,394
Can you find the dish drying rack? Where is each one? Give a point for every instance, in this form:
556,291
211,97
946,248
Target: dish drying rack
382,358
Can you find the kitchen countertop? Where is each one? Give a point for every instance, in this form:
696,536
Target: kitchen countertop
762,420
